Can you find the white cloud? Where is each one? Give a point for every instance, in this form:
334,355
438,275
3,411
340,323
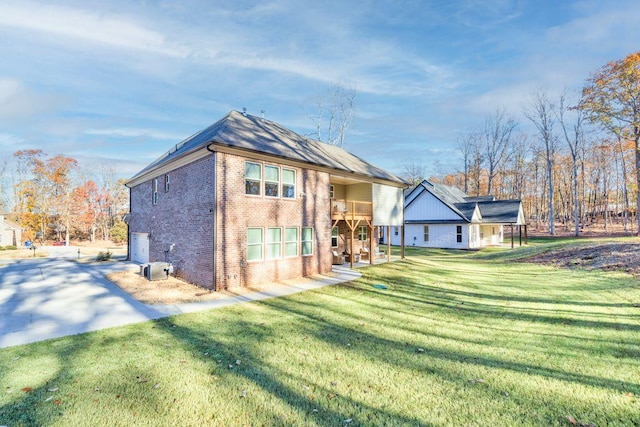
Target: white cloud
88,26
18,102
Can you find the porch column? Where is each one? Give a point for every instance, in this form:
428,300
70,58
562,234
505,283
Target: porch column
388,243
371,246
511,235
402,241
351,256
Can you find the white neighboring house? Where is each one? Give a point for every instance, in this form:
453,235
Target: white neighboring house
440,216
10,232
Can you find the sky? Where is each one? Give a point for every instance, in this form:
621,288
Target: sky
119,82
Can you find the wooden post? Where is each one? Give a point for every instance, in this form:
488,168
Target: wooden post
511,235
351,248
402,241
371,247
388,243
520,234
526,235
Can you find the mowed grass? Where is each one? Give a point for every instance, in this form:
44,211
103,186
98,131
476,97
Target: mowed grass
457,338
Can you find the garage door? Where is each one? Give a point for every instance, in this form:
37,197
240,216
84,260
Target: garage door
140,247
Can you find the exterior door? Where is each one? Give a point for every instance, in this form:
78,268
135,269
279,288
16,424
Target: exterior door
140,247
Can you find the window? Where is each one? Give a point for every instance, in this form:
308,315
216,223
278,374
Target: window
291,241
288,183
254,244
426,233
155,191
331,191
459,233
166,183
307,241
252,178
362,233
274,243
335,233
271,181
395,230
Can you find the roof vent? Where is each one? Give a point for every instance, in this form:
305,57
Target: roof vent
244,111
262,113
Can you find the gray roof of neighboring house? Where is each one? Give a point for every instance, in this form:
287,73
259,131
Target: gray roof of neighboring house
500,211
492,211
255,134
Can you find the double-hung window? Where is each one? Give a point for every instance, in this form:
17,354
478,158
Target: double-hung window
288,183
274,243
291,242
335,233
426,233
362,233
252,178
254,244
271,181
459,233
166,183
307,241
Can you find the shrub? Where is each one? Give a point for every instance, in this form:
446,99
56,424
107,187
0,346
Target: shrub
103,256
118,233
10,247
2,248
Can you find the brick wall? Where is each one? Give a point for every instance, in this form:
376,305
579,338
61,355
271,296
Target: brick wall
237,212
183,216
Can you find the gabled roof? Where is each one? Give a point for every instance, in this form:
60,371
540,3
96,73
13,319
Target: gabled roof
258,135
491,211
500,211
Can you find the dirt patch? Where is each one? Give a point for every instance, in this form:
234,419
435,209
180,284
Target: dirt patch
605,256
176,291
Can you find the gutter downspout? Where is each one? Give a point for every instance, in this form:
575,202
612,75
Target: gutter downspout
215,214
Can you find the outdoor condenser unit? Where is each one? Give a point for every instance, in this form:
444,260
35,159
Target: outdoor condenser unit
157,270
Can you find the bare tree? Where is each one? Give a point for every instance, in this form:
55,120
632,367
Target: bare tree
334,115
574,138
466,145
541,113
413,171
497,135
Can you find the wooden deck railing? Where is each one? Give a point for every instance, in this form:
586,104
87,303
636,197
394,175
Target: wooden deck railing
351,209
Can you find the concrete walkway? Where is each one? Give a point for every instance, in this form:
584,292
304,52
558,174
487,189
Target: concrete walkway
55,297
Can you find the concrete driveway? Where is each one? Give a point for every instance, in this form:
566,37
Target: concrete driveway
56,296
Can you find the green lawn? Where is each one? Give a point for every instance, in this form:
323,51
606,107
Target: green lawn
458,338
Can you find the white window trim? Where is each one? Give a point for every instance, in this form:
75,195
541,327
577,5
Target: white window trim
268,244
277,183
154,196
261,244
282,183
297,242
260,181
166,183
304,241
366,233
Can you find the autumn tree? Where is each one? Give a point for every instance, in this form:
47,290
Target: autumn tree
611,99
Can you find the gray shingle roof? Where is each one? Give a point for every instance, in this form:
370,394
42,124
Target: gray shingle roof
492,211
255,134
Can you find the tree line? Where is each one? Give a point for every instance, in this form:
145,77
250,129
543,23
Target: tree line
581,164
53,199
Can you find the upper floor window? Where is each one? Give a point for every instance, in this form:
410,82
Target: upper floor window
271,181
252,178
288,183
166,183
155,191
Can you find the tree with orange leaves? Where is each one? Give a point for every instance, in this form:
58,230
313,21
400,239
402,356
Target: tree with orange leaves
611,99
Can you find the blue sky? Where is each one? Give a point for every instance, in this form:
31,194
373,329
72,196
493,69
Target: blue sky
119,82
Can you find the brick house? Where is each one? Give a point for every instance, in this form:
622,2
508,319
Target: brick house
248,201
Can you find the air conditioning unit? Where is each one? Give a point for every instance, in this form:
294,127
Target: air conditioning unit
157,270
